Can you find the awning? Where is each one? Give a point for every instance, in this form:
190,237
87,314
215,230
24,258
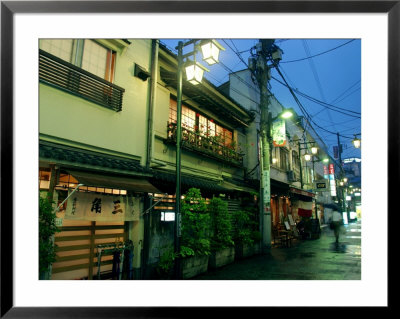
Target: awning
112,181
301,192
231,186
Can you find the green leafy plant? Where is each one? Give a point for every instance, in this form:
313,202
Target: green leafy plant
166,263
47,229
221,226
195,223
244,227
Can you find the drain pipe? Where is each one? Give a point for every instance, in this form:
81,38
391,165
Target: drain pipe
152,98
148,199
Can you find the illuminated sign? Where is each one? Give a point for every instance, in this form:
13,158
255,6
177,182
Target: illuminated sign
320,185
279,133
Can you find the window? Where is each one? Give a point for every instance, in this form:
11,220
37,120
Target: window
284,159
199,123
295,161
44,178
86,54
81,67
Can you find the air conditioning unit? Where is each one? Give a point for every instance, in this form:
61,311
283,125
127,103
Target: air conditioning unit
292,176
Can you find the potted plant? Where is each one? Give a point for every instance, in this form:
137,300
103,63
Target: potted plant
242,234
195,234
222,245
47,229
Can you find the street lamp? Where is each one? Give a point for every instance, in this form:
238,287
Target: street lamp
194,74
356,142
210,50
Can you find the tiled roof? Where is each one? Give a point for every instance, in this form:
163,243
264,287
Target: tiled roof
73,157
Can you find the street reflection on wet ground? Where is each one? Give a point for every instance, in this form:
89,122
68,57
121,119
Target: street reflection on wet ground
316,259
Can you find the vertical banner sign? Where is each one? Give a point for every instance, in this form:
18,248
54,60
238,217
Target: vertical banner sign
99,207
279,133
326,172
335,152
332,182
267,192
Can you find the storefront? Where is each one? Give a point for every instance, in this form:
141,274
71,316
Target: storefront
99,210
302,203
280,202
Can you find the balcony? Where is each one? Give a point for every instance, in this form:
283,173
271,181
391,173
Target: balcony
67,77
210,147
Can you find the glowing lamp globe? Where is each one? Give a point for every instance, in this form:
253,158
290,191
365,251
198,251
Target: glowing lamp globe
210,50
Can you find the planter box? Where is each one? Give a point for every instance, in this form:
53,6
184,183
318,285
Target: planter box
222,257
246,250
193,266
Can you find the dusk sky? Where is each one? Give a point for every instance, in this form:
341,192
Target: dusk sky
325,75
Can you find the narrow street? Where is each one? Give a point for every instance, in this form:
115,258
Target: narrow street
319,259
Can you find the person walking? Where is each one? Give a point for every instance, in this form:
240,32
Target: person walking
337,221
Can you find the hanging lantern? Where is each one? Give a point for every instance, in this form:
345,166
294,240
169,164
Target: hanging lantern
307,157
356,142
210,50
314,150
194,72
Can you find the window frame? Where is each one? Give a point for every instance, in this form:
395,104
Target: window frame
197,127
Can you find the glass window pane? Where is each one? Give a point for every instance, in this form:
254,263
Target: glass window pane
172,111
61,48
94,59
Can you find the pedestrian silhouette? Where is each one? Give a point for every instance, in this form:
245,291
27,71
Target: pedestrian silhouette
337,223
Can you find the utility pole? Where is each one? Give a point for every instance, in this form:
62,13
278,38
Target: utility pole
262,69
342,201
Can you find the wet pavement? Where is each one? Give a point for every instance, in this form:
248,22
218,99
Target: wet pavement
311,259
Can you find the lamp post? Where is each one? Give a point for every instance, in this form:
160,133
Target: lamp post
194,75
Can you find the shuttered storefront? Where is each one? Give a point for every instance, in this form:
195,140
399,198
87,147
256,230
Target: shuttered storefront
77,252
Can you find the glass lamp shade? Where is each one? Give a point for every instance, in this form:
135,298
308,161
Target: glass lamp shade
325,160
345,179
210,50
274,160
194,73
307,157
286,114
357,143
314,150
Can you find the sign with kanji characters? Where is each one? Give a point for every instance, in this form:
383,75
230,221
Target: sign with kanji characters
99,207
279,133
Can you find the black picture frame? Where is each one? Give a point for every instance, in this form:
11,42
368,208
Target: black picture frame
9,8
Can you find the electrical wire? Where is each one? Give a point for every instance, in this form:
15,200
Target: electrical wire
309,57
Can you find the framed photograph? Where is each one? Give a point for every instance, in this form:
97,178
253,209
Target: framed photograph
23,23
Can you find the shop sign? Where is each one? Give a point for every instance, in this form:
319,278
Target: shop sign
279,133
326,172
320,185
99,207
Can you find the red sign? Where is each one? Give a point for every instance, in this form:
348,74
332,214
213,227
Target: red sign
326,170
331,169
304,212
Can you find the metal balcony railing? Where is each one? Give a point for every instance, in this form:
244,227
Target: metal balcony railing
67,77
207,146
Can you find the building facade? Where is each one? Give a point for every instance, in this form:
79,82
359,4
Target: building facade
293,188
107,146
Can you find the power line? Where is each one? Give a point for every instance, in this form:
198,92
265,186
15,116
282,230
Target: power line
358,81
302,107
327,105
318,53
